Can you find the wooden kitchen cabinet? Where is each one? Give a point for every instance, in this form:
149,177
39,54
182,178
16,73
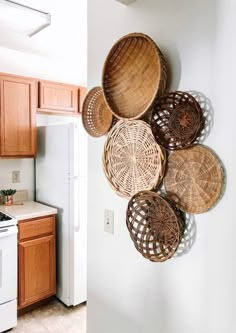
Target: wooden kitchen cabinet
18,105
36,260
60,98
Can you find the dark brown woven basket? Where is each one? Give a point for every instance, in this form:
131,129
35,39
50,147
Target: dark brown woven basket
154,226
134,73
96,116
177,120
194,179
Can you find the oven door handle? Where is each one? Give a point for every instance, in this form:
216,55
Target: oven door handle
6,232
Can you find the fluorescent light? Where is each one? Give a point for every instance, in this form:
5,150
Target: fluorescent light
22,19
126,2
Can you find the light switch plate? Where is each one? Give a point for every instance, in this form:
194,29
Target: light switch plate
109,221
15,176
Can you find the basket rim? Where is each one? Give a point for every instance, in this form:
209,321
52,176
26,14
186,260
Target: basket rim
84,112
158,52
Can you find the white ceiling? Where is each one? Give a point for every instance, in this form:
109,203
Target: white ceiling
66,37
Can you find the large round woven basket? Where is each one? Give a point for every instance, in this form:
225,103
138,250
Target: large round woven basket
154,226
96,116
177,120
134,73
132,159
194,179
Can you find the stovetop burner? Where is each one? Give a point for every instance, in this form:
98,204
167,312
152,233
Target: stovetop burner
4,217
6,220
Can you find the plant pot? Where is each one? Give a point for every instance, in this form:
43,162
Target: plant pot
8,200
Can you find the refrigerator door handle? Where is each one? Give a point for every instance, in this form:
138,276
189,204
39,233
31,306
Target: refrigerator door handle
77,228
73,177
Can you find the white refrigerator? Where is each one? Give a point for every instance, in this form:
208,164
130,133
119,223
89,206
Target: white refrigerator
61,182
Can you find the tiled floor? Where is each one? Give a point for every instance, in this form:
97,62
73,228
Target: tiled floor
54,317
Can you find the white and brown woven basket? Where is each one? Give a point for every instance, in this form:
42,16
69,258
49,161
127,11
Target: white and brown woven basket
194,179
132,159
134,73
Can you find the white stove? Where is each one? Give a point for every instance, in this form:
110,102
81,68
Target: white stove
8,272
7,220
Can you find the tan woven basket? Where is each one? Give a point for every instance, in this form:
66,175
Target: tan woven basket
194,179
154,225
134,73
96,116
132,159
177,120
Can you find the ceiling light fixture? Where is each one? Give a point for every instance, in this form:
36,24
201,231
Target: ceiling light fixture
22,19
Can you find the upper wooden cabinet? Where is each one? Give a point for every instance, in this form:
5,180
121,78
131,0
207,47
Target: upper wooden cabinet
60,98
18,97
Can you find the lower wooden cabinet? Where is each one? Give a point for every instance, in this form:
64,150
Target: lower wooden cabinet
36,260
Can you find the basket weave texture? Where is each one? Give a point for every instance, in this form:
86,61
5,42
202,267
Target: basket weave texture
194,179
154,226
134,73
132,159
96,116
177,120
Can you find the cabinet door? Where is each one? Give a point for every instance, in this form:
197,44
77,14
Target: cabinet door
36,270
58,98
18,113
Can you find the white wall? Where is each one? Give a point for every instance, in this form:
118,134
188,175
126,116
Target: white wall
195,292
63,62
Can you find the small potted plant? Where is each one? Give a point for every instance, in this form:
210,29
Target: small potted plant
8,196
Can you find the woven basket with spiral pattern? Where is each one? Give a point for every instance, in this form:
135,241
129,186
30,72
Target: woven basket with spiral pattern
194,179
177,120
132,159
96,116
134,73
154,225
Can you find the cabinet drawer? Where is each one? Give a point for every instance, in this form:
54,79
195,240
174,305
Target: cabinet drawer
37,227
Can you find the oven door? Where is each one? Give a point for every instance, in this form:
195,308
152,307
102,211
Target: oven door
8,264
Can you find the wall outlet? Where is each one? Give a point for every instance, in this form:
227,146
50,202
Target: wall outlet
15,176
109,221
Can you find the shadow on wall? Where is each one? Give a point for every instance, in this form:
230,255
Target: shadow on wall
173,69
189,235
208,113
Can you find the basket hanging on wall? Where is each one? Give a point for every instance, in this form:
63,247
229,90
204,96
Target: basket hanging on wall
134,73
132,159
96,116
154,225
177,120
194,179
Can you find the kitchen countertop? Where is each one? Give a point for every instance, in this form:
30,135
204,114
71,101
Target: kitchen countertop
23,210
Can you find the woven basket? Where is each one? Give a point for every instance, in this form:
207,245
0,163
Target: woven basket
194,179
134,73
132,159
96,116
154,226
177,120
